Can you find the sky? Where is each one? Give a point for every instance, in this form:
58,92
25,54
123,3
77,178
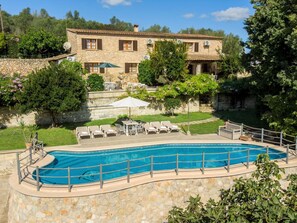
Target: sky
228,15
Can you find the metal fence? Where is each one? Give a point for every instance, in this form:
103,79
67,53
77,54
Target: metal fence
25,159
149,166
269,136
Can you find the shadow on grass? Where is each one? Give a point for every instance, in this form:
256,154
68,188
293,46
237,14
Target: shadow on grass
248,117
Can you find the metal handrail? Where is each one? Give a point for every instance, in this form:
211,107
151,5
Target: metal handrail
150,162
260,133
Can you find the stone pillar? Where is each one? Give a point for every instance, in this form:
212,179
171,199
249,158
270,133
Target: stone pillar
198,68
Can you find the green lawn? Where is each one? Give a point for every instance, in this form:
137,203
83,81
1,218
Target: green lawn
12,138
248,117
204,128
194,116
57,136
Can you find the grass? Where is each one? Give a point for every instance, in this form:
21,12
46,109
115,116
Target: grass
178,118
57,136
248,117
205,128
12,138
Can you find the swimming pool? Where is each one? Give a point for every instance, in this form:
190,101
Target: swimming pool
84,167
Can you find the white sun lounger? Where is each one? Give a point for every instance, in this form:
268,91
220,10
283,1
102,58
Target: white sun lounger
171,126
159,127
149,129
95,131
108,130
83,132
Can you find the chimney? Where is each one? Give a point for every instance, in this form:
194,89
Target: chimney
136,28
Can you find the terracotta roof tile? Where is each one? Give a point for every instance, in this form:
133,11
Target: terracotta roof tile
61,56
144,34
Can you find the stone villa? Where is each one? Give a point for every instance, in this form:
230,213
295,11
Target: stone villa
128,49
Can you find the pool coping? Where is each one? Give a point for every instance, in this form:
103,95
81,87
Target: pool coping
27,187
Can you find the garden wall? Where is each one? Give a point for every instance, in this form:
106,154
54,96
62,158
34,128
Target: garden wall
145,203
21,66
95,108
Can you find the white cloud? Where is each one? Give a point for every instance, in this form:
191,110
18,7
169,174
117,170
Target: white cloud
188,15
108,3
233,13
203,16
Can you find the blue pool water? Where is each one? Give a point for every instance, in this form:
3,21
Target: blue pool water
84,166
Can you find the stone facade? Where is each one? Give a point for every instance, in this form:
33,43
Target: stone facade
109,50
148,203
21,66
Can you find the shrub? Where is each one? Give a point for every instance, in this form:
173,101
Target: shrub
172,103
10,88
95,83
257,199
54,89
146,74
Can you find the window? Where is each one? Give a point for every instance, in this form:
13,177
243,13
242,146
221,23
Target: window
94,68
91,44
130,68
192,47
127,45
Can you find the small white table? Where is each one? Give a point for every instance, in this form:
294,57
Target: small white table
130,124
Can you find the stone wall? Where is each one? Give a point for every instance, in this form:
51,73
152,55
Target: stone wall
95,108
145,203
21,66
227,101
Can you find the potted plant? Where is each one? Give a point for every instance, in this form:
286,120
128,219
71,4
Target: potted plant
28,131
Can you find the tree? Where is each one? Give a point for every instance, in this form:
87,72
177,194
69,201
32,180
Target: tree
172,103
272,58
43,13
117,24
40,44
8,22
23,21
257,199
231,55
203,31
54,89
192,87
2,42
146,73
168,61
158,29
69,15
73,66
95,82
